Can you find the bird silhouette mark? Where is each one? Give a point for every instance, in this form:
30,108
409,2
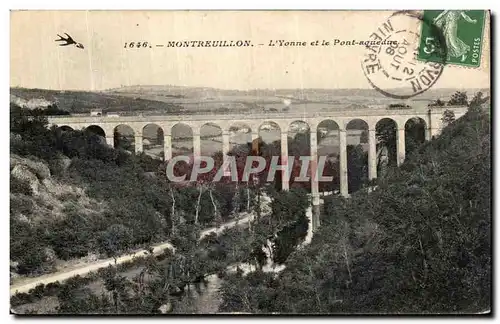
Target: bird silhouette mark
69,41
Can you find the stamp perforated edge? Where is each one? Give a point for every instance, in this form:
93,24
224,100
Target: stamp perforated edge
482,62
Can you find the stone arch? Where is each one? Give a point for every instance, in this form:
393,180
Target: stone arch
327,134
124,137
415,133
327,128
95,129
269,132
210,139
152,140
357,123
182,139
298,126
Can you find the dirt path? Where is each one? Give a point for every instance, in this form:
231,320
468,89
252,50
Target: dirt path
157,249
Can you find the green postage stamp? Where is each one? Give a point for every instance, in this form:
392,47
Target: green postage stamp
452,36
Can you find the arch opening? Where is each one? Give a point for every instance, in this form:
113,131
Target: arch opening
124,137
357,154
328,133
386,132
96,130
211,140
240,139
299,144
267,145
152,141
415,129
269,132
182,139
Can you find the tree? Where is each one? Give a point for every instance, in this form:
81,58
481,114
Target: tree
357,171
477,101
121,141
448,117
159,136
459,98
289,212
386,135
29,123
33,261
415,130
116,238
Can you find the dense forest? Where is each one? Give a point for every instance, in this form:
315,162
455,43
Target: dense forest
419,243
415,240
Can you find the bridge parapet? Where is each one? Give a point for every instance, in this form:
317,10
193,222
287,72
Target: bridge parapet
431,116
273,115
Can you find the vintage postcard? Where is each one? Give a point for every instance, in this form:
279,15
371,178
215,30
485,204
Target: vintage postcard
250,162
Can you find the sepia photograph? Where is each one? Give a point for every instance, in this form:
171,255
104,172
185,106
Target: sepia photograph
319,162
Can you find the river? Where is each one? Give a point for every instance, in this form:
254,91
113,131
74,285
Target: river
205,298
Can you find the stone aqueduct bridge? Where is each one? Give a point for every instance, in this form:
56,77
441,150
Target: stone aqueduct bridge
431,117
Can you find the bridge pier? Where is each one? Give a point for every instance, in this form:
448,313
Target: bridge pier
226,147
372,154
110,141
314,166
138,144
285,185
196,146
428,135
344,189
401,149
167,147
225,144
314,221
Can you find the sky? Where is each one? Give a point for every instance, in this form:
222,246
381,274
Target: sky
38,62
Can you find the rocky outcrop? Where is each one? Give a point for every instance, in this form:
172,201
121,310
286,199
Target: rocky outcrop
32,103
25,175
33,164
48,197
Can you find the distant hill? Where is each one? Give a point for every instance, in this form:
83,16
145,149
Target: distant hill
159,99
310,94
83,101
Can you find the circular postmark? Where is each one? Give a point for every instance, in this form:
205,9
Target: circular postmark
391,63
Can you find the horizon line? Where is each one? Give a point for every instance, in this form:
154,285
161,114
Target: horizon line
232,89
